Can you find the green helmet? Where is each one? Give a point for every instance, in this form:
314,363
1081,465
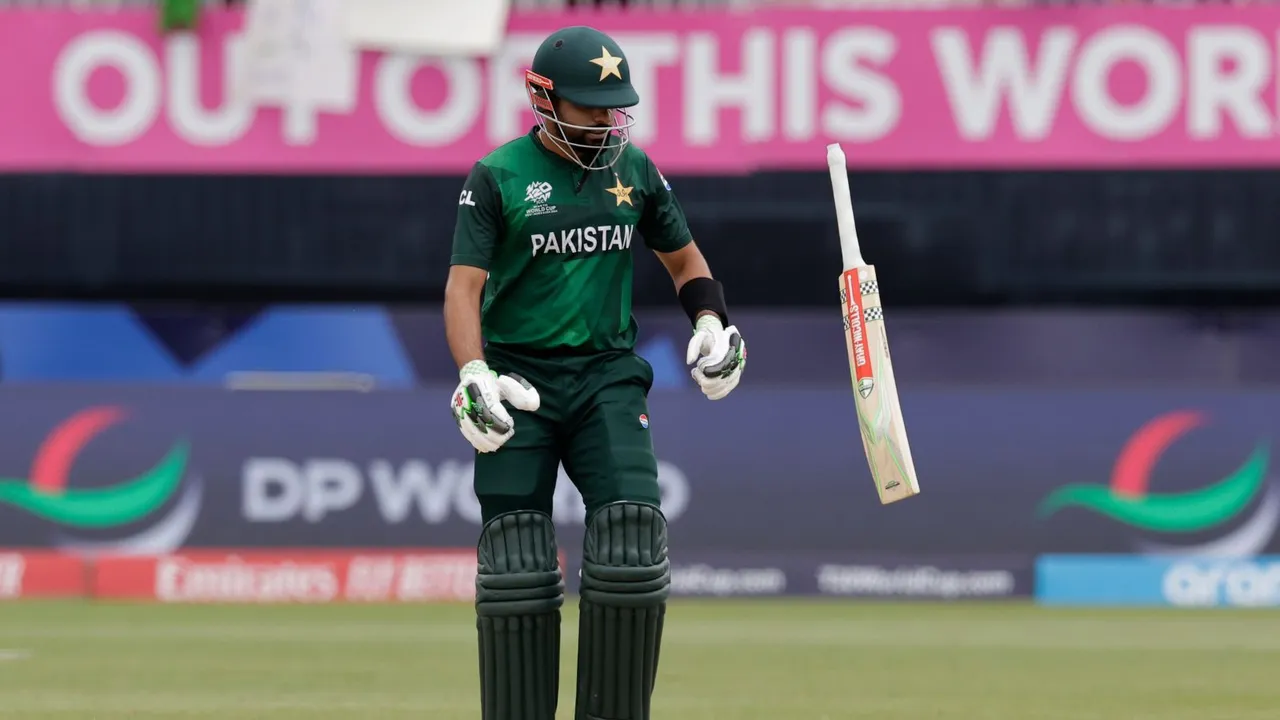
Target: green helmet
587,68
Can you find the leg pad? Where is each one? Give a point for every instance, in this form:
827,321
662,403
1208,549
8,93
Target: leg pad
519,593
626,579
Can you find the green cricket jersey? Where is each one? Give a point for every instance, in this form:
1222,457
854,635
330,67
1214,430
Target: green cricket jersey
557,239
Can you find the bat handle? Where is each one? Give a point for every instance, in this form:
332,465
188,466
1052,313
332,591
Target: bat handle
850,250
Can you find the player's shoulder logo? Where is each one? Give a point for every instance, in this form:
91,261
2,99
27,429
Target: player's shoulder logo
538,193
663,178
644,421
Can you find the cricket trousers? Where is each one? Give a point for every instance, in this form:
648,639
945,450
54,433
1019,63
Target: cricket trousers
593,418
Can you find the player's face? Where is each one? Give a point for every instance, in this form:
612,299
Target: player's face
592,137
602,119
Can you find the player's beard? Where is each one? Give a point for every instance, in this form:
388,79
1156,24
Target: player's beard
587,148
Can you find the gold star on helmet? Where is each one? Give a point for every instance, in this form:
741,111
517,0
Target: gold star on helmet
608,64
623,194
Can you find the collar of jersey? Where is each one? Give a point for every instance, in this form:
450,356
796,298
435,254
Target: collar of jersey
533,137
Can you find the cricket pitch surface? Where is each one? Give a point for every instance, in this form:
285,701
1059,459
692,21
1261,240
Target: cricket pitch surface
721,660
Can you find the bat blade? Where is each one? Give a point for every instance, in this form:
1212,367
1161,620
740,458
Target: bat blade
875,391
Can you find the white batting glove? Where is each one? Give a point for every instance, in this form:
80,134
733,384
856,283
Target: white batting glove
718,355
477,405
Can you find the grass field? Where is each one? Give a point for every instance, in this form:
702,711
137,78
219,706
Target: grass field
756,660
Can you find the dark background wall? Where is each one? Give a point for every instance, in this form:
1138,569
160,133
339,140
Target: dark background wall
1201,237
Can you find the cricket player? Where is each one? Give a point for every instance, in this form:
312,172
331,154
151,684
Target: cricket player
542,270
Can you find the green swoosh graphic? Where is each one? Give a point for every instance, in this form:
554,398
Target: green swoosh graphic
102,507
1174,512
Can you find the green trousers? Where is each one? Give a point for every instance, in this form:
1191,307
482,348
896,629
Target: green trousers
593,419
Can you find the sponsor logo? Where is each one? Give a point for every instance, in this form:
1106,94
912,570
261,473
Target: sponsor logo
914,581
538,193
283,490
131,512
412,578
179,579
1213,508
851,297
1153,581
303,576
644,421
1247,584
703,579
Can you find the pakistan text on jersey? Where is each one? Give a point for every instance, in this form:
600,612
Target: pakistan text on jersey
595,238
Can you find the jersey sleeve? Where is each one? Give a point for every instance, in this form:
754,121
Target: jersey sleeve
662,223
479,224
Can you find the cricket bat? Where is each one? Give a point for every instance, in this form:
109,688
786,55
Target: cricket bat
884,435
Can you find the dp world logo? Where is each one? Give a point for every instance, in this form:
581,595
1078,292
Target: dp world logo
130,510
1223,504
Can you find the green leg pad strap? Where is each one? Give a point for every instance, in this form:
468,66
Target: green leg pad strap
519,593
626,578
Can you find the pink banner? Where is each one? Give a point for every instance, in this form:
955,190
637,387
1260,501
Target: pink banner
722,93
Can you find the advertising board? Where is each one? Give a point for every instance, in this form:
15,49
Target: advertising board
1154,581
852,575
154,469
723,92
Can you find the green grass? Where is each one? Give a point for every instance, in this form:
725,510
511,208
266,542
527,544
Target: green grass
752,660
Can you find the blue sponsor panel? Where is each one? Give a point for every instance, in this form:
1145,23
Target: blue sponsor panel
746,480
119,343
1099,580
1155,581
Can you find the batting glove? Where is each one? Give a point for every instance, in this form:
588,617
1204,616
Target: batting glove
718,355
477,405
